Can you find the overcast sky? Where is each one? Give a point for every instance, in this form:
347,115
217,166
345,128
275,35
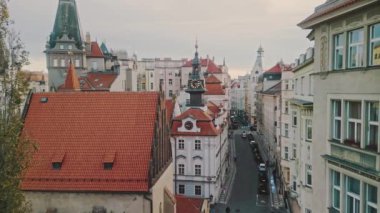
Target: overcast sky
233,29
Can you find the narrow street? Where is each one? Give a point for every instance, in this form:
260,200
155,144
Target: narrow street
243,197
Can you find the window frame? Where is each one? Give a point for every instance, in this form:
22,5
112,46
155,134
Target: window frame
372,40
354,196
181,169
181,144
309,126
336,118
197,145
286,130
294,119
359,45
308,174
335,187
338,48
199,189
358,123
198,170
181,186
369,123
286,152
367,202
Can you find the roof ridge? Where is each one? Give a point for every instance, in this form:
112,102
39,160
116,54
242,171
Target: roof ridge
71,81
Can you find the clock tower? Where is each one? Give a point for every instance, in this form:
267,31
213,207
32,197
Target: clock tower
195,85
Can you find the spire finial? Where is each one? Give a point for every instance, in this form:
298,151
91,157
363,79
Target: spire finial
196,43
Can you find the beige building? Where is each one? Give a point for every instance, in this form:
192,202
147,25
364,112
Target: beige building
346,144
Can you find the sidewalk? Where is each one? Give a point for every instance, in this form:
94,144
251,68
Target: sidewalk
230,177
277,200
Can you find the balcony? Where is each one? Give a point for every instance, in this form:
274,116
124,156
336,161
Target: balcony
348,154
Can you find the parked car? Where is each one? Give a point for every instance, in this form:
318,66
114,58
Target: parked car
253,143
262,167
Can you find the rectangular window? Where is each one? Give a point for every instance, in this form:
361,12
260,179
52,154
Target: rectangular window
170,82
355,48
352,195
181,169
294,118
181,144
335,193
286,107
61,46
336,119
353,124
296,87
286,130
371,199
181,189
374,45
55,62
142,86
307,211
197,145
70,47
151,86
372,126
198,190
308,175
286,153
302,85
170,93
311,85
286,85
198,170
161,82
309,129
63,64
294,187
77,63
294,151
94,65
338,52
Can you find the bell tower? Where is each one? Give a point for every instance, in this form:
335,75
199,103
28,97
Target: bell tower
65,42
195,85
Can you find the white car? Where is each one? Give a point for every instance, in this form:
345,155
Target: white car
262,167
244,134
252,143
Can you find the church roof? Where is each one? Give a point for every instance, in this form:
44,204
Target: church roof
212,80
67,22
71,81
96,52
83,131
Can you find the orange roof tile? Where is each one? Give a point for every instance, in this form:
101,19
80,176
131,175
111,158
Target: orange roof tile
211,66
214,89
188,205
169,110
71,81
96,52
212,80
89,127
203,121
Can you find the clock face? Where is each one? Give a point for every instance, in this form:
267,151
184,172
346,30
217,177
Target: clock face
189,125
196,84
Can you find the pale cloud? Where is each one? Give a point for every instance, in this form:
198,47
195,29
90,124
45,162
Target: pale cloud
167,28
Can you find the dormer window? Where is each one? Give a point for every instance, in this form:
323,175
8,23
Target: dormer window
108,160
61,47
57,160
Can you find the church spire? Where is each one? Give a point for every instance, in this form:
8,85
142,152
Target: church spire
71,82
66,23
195,84
258,67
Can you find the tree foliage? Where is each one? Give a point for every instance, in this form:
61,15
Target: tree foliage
15,149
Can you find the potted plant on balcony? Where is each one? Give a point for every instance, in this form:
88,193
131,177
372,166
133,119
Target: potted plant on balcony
352,143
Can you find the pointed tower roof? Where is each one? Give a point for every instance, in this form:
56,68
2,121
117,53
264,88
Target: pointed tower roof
71,82
258,67
66,22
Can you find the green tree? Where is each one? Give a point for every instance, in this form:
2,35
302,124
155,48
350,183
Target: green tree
15,148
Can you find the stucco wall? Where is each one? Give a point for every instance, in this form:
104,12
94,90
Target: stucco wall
165,181
66,202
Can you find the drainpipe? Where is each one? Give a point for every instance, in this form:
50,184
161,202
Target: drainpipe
175,165
150,202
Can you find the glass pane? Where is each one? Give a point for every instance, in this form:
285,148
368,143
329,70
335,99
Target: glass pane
357,206
373,134
350,204
354,110
338,58
374,110
371,210
372,194
375,31
353,185
336,176
337,108
353,52
356,36
375,51
337,129
351,130
336,197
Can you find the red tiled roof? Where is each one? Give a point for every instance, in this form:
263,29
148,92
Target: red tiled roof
96,52
89,128
204,122
327,10
214,89
169,110
188,205
212,80
211,66
95,81
71,81
275,69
